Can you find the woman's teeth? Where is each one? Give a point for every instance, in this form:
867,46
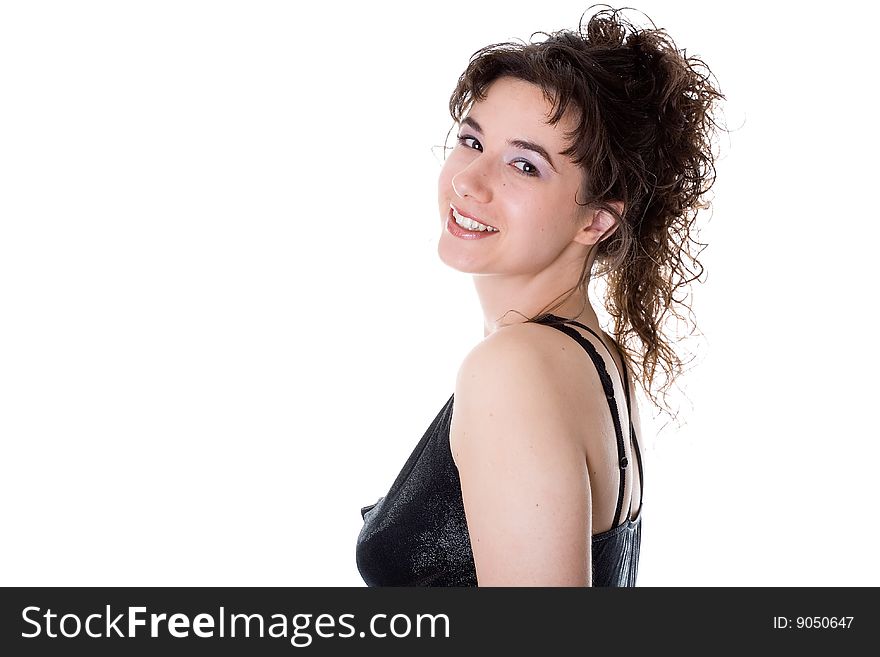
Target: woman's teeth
470,224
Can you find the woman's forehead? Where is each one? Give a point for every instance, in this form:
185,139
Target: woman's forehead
519,112
512,102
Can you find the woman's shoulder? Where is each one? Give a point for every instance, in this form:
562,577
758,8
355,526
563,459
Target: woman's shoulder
537,349
521,463
522,367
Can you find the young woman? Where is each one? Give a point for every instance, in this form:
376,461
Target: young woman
590,147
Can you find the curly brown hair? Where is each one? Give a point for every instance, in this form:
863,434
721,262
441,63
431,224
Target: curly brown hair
644,138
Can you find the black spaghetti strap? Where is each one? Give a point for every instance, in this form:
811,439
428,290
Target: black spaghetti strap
555,320
602,342
622,374
641,474
608,387
635,440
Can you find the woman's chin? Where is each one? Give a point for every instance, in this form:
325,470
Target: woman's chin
454,259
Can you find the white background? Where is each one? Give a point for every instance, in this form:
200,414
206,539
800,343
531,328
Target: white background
224,325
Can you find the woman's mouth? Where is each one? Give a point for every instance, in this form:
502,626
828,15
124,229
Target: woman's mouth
467,228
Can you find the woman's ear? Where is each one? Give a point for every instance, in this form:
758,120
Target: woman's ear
601,225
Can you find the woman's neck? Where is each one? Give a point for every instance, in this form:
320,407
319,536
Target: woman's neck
577,307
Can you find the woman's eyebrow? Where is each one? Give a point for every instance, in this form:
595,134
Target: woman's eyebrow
518,143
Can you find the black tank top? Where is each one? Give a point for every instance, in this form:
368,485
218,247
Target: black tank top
417,535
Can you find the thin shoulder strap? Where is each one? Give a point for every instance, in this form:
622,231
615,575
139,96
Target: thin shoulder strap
608,387
624,375
632,432
635,441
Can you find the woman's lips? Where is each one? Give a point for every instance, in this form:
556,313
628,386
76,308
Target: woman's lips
464,233
467,216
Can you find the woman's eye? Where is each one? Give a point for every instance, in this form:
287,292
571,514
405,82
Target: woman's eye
528,168
464,140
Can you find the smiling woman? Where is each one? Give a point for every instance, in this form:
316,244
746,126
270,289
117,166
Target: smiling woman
497,178
586,154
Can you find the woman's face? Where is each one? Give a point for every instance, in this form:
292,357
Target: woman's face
506,172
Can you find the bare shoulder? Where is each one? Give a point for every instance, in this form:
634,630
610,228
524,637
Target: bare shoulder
519,373
524,480
528,344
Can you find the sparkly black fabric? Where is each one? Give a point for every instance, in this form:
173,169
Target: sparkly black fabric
416,535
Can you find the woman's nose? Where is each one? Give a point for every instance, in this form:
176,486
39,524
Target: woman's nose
473,181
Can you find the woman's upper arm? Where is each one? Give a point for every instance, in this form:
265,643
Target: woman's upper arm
524,479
